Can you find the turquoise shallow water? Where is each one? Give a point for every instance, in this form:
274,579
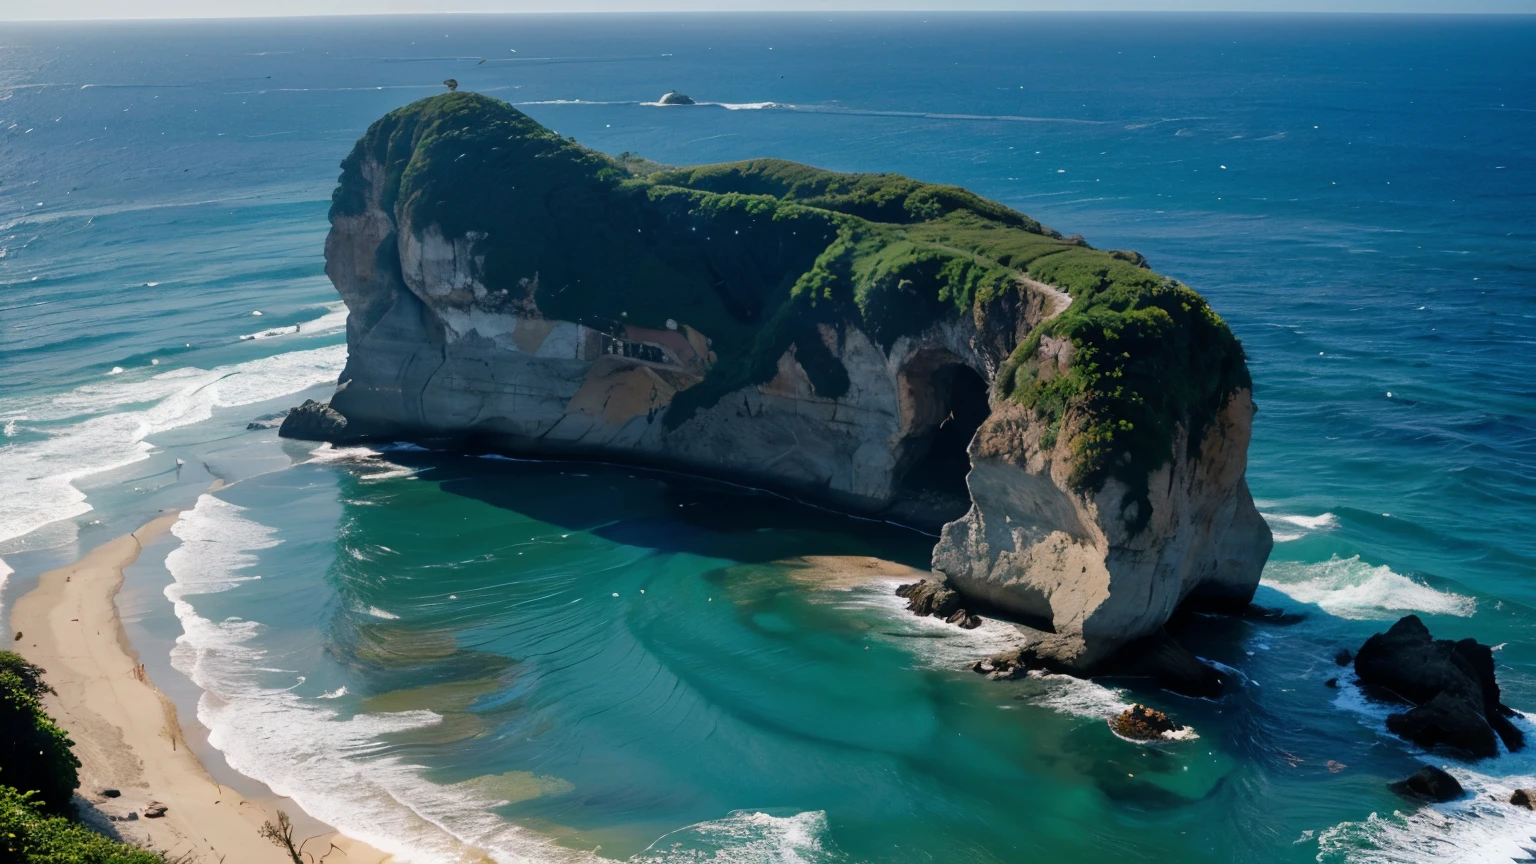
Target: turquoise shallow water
426,649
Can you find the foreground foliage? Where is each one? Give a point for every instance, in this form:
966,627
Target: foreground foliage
28,835
38,775
34,752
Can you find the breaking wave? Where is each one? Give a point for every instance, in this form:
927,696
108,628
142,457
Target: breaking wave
99,427
1351,588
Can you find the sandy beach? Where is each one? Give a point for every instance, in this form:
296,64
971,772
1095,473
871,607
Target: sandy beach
126,732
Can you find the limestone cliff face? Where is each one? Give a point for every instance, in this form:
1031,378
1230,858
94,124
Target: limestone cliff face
429,356
1070,561
837,336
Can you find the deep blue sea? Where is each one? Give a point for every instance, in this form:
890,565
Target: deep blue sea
458,658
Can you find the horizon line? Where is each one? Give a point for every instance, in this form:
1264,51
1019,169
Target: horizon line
1296,13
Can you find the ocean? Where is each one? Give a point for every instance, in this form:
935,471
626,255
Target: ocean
453,657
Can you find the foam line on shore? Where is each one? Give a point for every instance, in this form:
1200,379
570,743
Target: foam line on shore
111,710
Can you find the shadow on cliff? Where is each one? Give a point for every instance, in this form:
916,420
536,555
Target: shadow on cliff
669,512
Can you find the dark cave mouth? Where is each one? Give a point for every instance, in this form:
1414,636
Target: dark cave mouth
949,403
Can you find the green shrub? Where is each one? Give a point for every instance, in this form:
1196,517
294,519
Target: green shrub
34,752
30,836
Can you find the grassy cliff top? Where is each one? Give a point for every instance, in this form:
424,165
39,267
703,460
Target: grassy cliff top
757,254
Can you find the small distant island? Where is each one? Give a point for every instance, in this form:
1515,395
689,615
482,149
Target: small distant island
672,97
1074,425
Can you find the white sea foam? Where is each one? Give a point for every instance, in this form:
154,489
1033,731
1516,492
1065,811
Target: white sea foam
1314,523
5,573
334,319
936,644
1284,526
381,614
1351,588
98,427
330,765
729,106
1077,697
334,694
362,456
748,837
1480,827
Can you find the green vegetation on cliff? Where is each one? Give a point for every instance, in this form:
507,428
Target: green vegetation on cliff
768,255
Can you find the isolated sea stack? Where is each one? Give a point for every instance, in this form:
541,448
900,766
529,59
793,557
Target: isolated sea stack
1075,423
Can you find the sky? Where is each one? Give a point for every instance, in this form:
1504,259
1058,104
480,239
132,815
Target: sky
20,10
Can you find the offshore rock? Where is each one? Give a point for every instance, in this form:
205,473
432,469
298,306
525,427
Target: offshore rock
885,346
1429,784
314,421
1140,723
1450,685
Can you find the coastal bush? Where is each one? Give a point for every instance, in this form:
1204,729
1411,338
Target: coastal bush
35,753
28,835
767,256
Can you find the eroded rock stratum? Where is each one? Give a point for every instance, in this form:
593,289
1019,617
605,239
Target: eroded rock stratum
1077,424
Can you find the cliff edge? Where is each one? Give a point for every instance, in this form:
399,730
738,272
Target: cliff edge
1077,424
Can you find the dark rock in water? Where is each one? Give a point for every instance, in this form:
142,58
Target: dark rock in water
1140,723
930,598
1429,784
939,600
674,98
1002,667
1450,685
1344,657
1157,657
111,793
1332,683
1523,798
966,620
313,421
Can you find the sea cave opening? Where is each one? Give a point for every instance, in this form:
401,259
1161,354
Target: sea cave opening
944,402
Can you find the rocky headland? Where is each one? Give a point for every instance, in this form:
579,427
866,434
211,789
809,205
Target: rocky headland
1074,425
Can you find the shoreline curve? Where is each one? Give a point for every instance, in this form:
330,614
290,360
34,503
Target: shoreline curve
126,732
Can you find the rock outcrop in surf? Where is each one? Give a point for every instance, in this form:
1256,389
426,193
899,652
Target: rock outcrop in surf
1450,687
1075,423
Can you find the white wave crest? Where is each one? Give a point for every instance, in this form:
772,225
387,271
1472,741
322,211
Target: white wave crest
1284,525
1351,588
102,426
334,319
748,837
